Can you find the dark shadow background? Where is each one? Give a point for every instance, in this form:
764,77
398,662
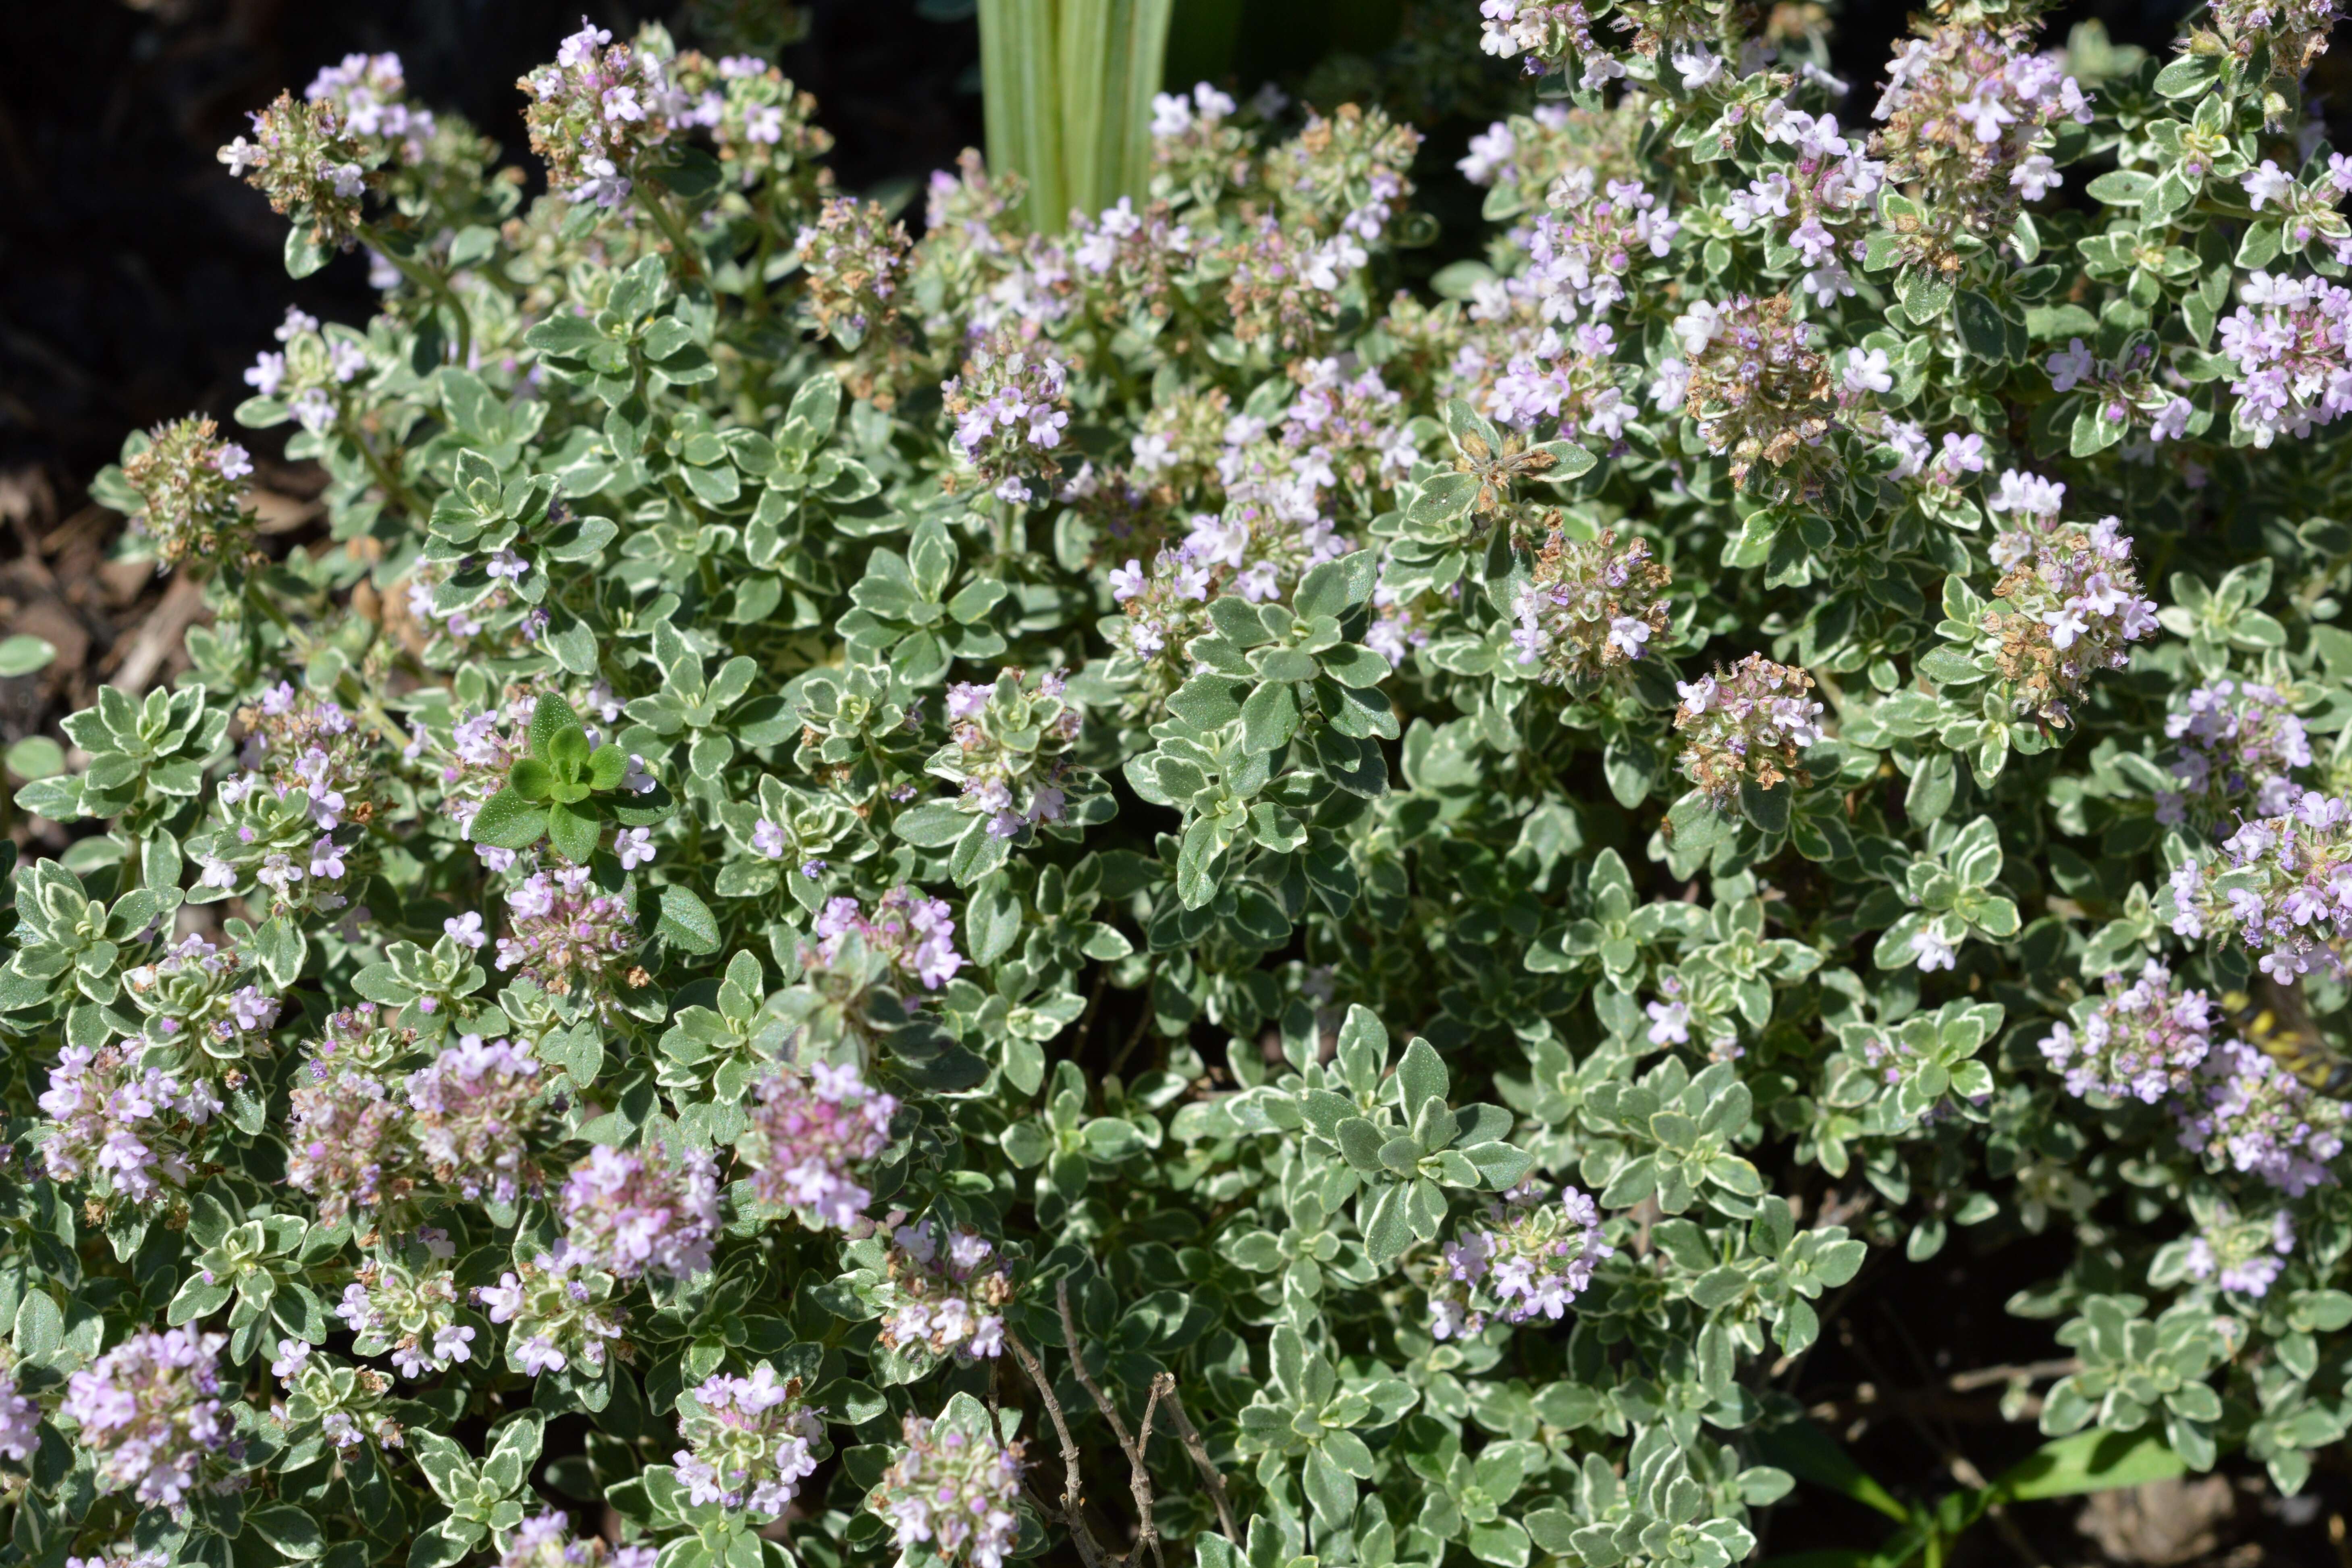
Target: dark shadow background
137,279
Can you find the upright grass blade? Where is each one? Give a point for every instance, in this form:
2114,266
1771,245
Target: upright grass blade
1068,95
1146,68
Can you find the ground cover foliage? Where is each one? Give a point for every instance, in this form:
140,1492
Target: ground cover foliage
1127,893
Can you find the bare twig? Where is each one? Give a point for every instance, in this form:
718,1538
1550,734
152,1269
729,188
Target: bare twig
1165,1387
1147,1532
1072,1496
1094,1006
1138,1473
1135,1035
2023,1372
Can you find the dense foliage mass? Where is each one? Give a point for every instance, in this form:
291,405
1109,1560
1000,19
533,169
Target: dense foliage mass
1134,894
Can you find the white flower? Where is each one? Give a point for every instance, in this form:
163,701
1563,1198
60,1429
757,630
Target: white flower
2268,183
1699,66
1868,371
1932,951
635,847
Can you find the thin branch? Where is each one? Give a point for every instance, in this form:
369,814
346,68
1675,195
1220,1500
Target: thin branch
1134,1037
1079,1366
1072,1511
1138,1474
2024,1371
1094,1006
1147,1532
1165,1387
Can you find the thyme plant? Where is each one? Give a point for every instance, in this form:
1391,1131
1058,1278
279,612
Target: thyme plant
1142,892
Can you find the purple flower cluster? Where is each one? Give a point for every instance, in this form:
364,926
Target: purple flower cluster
1346,426
944,1301
567,936
1750,375
561,1305
20,1421
914,934
2288,889
403,1303
638,1211
1748,724
1964,109
1590,607
2144,1041
1283,285
2240,742
545,1541
370,95
1817,204
1580,253
122,1127
1530,1258
1547,33
762,124
2068,601
1124,260
347,1140
472,1113
854,257
2248,1113
1572,380
952,1491
150,1412
1009,405
346,1403
2290,339
1162,608
461,1125
1347,173
750,1441
2241,1254
309,164
198,996
1008,748
807,1134
191,488
300,740
597,111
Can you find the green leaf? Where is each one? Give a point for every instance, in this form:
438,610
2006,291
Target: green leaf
23,653
507,821
531,779
1420,1076
574,833
304,254
40,1328
1270,717
293,1532
686,921
934,824
553,716
2089,1462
